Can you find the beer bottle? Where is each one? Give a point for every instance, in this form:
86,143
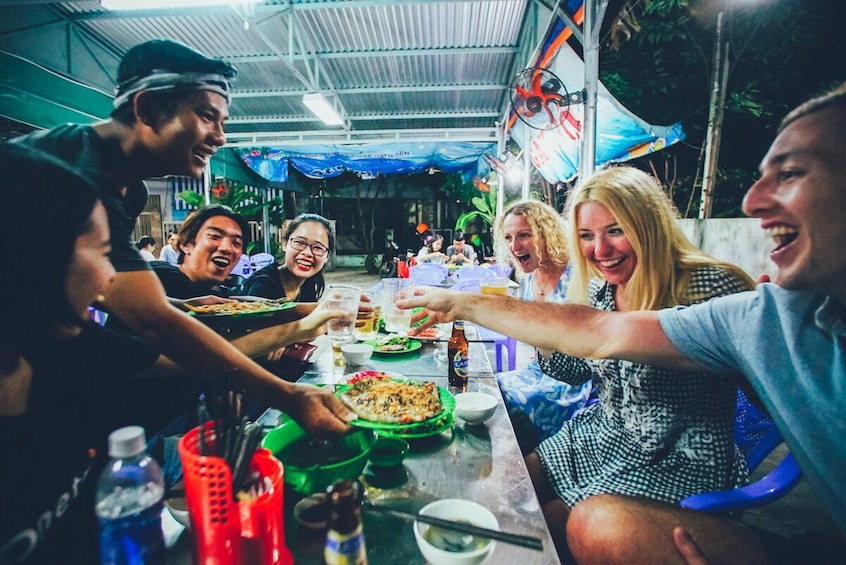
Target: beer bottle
345,538
458,363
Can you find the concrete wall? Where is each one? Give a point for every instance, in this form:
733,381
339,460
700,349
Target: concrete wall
738,240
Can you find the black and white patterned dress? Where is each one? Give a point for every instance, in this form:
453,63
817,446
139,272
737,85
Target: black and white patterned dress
654,433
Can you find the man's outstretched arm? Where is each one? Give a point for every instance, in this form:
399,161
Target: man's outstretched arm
573,329
138,299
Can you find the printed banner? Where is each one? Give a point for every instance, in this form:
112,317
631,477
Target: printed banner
367,161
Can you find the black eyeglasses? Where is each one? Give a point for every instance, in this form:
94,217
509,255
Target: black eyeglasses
318,249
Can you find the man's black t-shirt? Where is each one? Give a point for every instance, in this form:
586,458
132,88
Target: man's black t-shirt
101,162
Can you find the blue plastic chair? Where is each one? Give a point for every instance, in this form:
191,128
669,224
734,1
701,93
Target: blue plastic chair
503,270
97,316
260,260
243,268
502,343
429,274
474,272
775,485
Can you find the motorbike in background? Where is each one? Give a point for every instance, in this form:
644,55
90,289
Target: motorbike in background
391,257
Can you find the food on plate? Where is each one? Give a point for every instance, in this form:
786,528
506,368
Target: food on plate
369,374
392,342
428,333
236,307
393,402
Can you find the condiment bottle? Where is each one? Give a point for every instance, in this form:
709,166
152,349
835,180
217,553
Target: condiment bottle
345,538
458,361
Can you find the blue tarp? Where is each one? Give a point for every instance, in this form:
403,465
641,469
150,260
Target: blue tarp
366,160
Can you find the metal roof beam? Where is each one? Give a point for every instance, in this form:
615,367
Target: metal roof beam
260,9
373,117
460,51
376,90
249,139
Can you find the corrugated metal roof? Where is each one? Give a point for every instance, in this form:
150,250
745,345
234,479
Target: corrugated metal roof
391,66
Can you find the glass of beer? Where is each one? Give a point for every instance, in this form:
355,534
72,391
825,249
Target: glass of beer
368,328
498,286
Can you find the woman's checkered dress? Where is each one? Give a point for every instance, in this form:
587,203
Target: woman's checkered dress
654,433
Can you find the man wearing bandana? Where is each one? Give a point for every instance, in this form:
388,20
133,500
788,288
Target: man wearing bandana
170,107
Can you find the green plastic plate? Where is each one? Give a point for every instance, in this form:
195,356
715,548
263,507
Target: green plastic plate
413,345
447,401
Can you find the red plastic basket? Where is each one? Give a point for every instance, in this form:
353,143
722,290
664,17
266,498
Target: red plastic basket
227,532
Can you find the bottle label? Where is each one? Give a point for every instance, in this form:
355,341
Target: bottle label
345,549
136,538
460,364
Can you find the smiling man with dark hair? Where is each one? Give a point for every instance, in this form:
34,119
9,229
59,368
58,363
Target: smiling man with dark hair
171,104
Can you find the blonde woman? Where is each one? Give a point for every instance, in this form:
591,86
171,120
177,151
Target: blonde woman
654,433
530,236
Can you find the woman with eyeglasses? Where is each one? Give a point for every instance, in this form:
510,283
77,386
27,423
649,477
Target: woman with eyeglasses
308,240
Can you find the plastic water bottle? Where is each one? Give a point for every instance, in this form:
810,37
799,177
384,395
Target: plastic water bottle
130,494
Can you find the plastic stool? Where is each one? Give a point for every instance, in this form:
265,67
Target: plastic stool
500,341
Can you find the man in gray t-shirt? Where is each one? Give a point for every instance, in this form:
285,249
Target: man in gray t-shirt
787,339
460,252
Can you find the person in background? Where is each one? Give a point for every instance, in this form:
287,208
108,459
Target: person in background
530,236
460,252
145,247
171,104
431,250
786,338
65,382
307,242
170,252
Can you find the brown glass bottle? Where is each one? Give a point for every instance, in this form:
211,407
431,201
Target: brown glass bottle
458,362
345,538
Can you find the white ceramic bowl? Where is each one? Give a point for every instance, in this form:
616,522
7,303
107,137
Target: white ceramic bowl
455,509
178,508
356,353
475,407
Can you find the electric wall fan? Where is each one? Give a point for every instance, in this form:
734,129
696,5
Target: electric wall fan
539,98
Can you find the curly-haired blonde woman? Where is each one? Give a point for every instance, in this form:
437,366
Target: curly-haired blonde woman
530,236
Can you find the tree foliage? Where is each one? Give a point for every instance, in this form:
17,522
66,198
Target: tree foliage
246,202
663,74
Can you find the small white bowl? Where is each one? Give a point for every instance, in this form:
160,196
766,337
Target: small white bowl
455,509
178,508
356,353
475,407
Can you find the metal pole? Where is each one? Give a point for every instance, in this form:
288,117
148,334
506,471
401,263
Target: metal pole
587,163
527,163
206,180
500,179
265,222
715,121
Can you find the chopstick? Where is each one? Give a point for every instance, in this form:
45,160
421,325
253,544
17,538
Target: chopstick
529,542
468,341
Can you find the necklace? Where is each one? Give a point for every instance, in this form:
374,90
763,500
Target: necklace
540,288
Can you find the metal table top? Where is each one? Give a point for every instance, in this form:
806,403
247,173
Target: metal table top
482,463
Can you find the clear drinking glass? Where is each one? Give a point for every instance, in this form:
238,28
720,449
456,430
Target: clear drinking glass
396,319
341,330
